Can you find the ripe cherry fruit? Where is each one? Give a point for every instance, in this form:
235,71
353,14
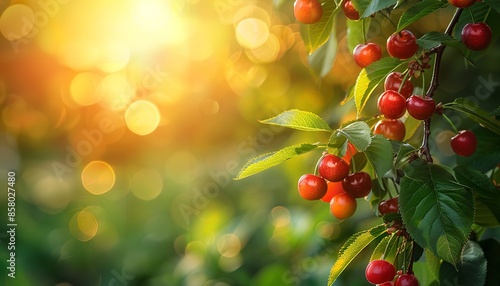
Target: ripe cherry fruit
333,168
388,283
312,187
420,108
393,82
406,280
391,104
307,11
388,206
402,45
461,3
392,129
334,188
476,36
357,185
365,54
464,143
343,206
380,271
349,11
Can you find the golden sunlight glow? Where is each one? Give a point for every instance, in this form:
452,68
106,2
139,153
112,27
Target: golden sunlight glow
229,245
252,32
147,184
150,14
142,117
17,21
83,88
114,57
83,226
80,54
115,92
98,177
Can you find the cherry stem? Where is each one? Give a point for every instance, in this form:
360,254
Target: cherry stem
423,83
471,15
424,148
363,29
410,265
403,82
390,20
487,14
451,123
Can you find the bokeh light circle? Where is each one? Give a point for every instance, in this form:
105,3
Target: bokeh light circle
17,21
142,117
83,226
98,177
147,184
252,33
83,88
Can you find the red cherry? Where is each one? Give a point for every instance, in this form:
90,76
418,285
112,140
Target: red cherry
461,3
420,108
380,271
464,143
334,188
393,81
357,185
391,104
402,45
392,129
349,10
343,206
333,168
406,280
351,150
388,206
476,36
312,187
307,11
388,283
365,54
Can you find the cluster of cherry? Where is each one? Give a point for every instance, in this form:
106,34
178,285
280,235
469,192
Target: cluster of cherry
382,273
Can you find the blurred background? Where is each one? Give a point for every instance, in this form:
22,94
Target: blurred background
126,120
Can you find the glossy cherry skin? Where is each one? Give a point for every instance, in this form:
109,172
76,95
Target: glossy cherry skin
349,11
392,129
380,271
476,36
307,11
343,206
334,188
333,168
402,45
420,108
388,283
391,104
461,3
358,185
406,280
393,82
365,54
464,143
312,187
388,206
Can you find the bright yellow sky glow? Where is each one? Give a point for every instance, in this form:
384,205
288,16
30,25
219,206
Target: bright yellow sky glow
16,21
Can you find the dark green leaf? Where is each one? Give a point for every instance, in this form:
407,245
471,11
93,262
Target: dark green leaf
491,249
298,119
377,5
437,211
471,268
355,33
379,154
360,161
402,151
272,159
418,11
353,246
370,77
358,133
487,154
475,113
495,112
315,35
495,4
322,59
434,39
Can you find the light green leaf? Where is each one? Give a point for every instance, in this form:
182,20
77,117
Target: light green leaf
322,59
418,11
438,211
315,35
355,33
354,245
272,159
298,119
379,154
370,77
377,5
475,113
434,39
358,133
471,270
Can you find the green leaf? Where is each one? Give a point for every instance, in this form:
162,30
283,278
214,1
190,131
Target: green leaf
411,125
434,39
488,194
418,11
487,154
491,249
272,159
315,35
470,271
495,4
377,5
361,5
298,119
474,112
378,252
437,211
353,246
402,151
479,11
379,154
355,33
370,77
322,59
358,133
